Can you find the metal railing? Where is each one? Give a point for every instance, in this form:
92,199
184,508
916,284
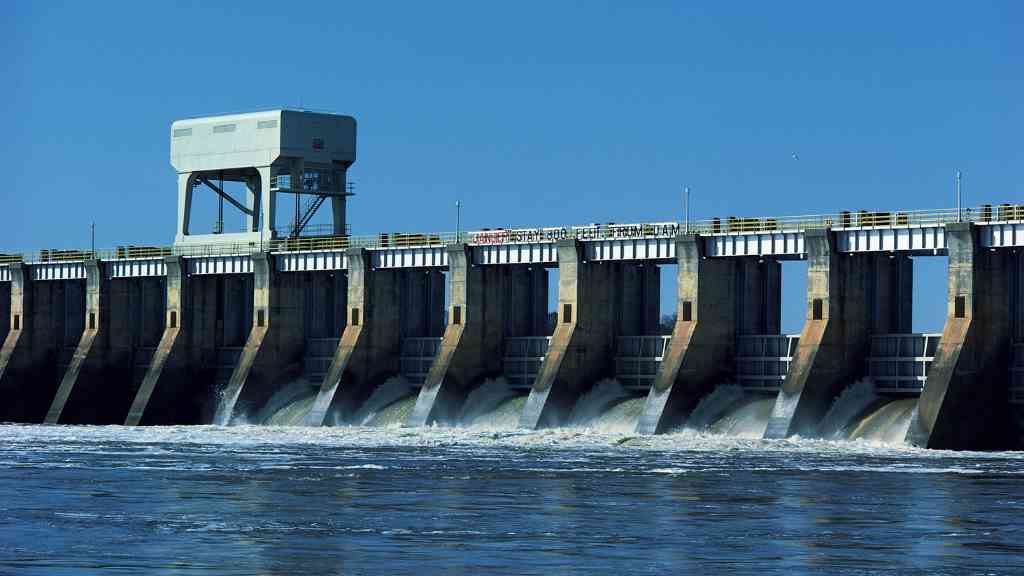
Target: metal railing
499,236
523,358
899,363
637,359
763,360
417,356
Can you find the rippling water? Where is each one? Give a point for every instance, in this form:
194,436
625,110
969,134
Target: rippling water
363,500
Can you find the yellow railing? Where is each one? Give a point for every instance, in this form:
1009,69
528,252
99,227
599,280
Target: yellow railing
728,225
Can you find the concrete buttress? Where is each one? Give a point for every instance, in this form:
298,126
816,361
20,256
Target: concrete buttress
5,310
487,304
703,338
17,361
964,401
849,297
87,362
168,368
272,352
369,348
581,347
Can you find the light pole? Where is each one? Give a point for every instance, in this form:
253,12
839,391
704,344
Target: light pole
92,229
959,213
458,221
686,209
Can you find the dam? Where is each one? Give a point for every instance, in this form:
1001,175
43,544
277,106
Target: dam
314,321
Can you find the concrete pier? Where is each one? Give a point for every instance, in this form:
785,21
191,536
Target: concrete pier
47,319
5,310
702,341
487,303
123,317
168,368
206,320
383,306
964,404
849,297
597,301
270,357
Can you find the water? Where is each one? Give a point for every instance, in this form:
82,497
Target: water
595,402
365,500
386,404
888,423
621,417
748,420
290,405
484,400
504,416
714,406
851,403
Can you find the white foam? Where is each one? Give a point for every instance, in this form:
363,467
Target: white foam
712,407
595,401
387,394
485,399
850,404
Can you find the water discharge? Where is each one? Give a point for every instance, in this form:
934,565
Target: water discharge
290,405
484,400
887,424
504,416
713,407
595,402
388,402
748,420
857,414
851,403
621,417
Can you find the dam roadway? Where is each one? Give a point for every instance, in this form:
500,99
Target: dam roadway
152,335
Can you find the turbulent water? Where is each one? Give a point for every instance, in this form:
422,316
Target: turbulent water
479,496
387,405
484,401
888,423
370,500
290,405
749,420
595,402
714,406
850,404
504,416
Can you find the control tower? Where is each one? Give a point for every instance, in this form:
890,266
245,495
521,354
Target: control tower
302,154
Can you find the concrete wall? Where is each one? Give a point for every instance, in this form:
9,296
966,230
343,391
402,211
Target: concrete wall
325,305
5,309
487,304
272,353
49,316
758,295
156,400
421,302
964,401
204,315
597,301
703,338
849,297
122,316
369,347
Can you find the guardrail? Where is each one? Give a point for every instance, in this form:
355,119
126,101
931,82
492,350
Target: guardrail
986,213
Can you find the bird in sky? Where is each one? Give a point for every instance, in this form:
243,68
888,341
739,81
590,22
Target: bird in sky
795,156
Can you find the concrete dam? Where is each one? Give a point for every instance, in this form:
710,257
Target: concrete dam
306,324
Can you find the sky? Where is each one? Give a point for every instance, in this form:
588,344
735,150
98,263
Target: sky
529,113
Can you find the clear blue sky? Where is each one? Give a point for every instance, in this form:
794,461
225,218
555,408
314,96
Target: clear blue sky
531,113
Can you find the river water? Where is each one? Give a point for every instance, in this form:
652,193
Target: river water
388,500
